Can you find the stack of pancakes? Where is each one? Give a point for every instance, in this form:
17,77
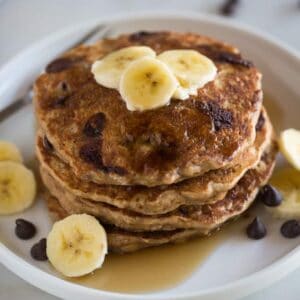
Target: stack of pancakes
156,176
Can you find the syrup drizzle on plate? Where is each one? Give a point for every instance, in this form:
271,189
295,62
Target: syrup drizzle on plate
154,268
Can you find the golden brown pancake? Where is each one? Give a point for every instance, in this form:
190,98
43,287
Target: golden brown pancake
207,188
120,240
155,147
204,217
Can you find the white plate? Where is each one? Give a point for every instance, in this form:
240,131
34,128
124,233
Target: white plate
238,266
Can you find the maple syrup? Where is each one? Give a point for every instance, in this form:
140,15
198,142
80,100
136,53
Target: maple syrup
154,268
166,266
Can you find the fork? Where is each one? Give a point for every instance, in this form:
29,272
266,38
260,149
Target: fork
97,32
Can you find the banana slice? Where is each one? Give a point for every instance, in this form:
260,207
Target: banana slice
287,181
17,187
77,245
108,70
9,151
146,84
192,70
289,144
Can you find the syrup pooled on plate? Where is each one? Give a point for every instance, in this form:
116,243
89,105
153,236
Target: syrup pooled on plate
154,268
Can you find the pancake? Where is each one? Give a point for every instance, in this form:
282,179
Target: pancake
204,217
122,241
162,146
210,187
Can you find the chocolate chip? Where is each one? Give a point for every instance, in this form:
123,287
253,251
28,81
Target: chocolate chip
38,250
59,65
221,118
24,230
260,123
234,59
186,210
229,7
290,229
269,196
63,86
218,54
59,102
94,125
256,230
140,35
47,145
90,153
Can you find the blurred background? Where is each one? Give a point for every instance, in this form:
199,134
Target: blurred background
23,22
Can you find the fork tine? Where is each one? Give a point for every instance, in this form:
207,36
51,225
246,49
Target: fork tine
95,31
104,33
12,108
99,31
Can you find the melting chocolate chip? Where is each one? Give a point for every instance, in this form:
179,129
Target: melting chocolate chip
221,118
290,229
234,59
38,250
47,145
218,54
229,7
269,196
59,64
256,230
260,123
90,153
63,86
140,35
94,125
24,230
186,210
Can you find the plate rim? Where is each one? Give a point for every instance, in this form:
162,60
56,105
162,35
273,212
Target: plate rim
278,269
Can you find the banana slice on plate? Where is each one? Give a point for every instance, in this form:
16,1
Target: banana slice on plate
77,245
108,70
147,83
17,187
9,151
192,70
289,144
287,181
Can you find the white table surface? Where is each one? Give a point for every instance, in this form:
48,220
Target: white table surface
23,22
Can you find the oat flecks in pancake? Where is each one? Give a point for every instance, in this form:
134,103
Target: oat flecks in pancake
155,147
207,188
202,217
239,199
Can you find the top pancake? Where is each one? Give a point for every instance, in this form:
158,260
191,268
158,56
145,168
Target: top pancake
161,146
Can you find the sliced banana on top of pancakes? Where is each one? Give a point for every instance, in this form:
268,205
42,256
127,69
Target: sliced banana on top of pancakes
108,71
191,69
147,81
